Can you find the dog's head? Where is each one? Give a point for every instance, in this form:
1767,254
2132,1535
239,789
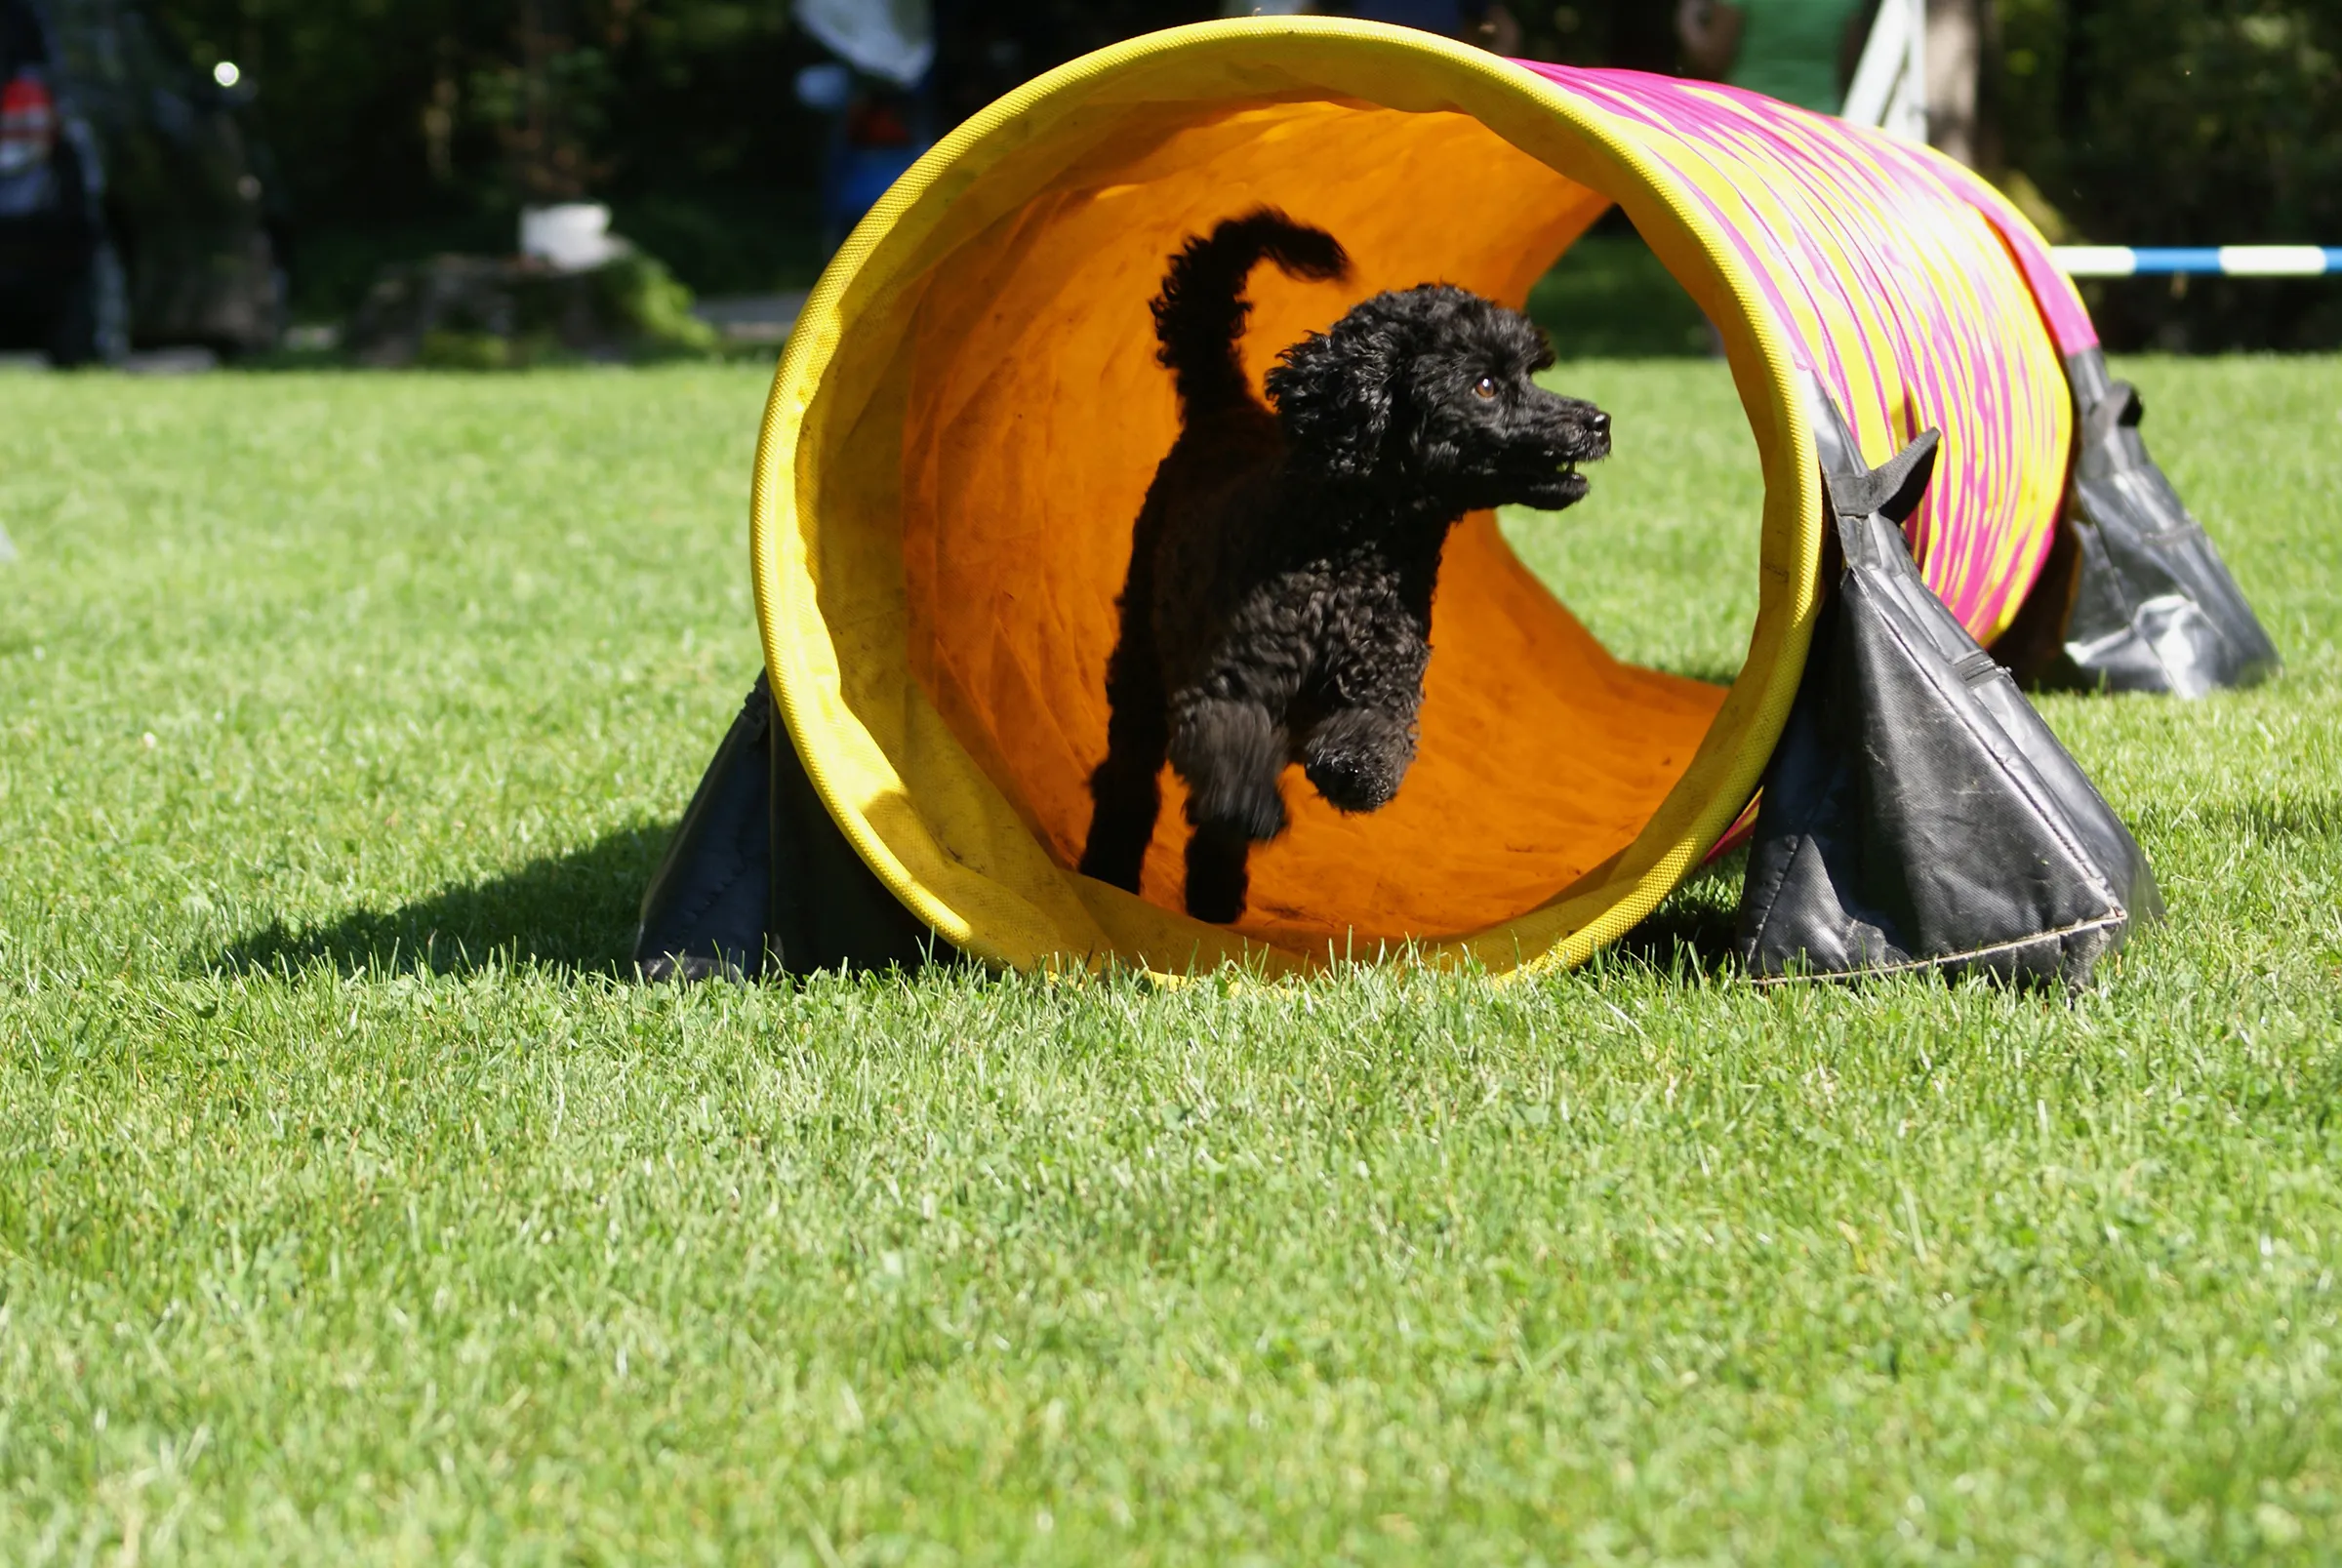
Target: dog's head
1428,391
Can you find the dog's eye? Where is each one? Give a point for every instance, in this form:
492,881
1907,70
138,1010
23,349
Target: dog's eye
1484,387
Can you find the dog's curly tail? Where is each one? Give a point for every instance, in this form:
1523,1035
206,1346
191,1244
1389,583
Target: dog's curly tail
1200,313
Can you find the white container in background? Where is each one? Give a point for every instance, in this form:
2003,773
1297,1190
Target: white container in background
573,236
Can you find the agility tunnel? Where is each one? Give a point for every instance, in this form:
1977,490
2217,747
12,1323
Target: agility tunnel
965,422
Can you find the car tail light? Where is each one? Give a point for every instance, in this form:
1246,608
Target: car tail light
876,123
27,123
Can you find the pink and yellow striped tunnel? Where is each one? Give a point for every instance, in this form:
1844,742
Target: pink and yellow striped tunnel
970,411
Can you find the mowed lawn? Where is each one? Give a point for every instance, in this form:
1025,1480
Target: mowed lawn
354,1207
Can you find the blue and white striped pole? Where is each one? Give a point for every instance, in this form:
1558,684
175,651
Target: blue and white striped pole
2201,260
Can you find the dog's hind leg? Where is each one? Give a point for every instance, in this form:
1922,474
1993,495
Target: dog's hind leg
1126,791
1216,877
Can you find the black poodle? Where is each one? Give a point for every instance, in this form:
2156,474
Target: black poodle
1278,603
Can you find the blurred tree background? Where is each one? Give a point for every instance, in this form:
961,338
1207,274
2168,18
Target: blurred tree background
401,127
407,126
2179,122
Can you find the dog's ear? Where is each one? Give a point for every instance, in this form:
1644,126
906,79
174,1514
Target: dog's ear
1334,394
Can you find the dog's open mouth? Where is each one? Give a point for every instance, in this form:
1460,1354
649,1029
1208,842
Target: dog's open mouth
1552,489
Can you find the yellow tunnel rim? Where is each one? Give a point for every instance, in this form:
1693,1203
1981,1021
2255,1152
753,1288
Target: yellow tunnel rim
1721,779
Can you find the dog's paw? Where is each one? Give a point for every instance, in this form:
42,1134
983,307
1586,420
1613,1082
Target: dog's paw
1215,905
1229,754
1242,801
1113,864
1353,783
1357,760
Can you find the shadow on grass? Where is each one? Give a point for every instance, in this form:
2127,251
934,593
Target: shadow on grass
1689,936
574,913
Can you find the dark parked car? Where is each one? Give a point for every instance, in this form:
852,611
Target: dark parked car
135,208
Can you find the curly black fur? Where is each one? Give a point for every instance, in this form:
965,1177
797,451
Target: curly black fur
1278,603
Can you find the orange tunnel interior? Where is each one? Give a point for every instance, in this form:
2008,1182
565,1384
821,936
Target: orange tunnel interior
1032,413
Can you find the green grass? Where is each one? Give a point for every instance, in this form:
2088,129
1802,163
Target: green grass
1609,296
353,1209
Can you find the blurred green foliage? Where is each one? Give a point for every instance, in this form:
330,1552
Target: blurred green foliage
2182,122
405,127
1609,298
408,126
423,125
652,309
401,105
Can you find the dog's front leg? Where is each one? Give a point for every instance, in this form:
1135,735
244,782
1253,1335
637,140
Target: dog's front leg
1229,753
1356,757
1369,690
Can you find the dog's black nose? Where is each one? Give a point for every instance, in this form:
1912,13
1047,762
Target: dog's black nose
1599,424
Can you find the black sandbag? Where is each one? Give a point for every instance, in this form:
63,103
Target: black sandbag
828,909
707,907
2134,597
758,880
1917,813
